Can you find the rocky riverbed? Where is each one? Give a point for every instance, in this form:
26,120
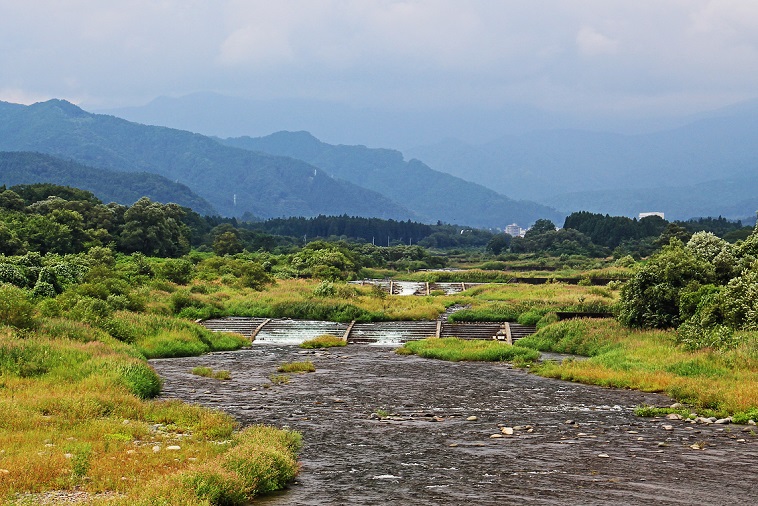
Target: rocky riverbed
382,428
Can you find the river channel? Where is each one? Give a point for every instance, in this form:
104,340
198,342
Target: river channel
571,443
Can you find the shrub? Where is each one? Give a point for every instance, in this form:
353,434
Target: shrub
140,379
177,270
43,290
324,289
546,320
693,336
13,275
530,318
15,308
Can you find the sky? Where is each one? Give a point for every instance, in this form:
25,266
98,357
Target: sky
612,57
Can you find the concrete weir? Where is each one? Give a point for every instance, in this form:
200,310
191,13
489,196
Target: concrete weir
286,331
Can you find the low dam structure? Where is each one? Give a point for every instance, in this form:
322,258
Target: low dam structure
286,331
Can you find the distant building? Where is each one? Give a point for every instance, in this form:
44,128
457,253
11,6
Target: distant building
514,230
645,215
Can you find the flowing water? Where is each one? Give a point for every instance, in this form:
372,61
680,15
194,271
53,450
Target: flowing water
571,443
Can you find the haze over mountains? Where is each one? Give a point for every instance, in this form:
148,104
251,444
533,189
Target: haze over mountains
704,168
684,166
237,181
109,185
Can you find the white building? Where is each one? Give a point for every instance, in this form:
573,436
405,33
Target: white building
514,230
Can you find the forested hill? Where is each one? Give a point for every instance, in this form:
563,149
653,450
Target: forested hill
108,185
234,181
431,194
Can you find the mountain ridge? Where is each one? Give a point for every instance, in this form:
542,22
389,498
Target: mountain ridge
233,180
25,167
432,194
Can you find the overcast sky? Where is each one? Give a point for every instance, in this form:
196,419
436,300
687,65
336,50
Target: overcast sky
621,56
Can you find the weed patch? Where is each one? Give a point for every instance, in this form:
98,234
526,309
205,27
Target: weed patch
323,341
207,372
297,367
454,349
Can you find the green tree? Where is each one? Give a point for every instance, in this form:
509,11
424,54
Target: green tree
227,243
154,229
499,243
651,299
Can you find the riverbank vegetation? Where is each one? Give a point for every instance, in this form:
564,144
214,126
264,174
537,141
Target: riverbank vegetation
90,291
456,350
714,382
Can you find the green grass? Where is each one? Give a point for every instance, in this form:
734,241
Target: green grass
719,383
78,400
323,341
297,367
207,372
279,379
454,350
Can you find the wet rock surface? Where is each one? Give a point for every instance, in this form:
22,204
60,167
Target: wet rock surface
382,428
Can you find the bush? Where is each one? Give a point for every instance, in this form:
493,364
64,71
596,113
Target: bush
15,309
43,290
177,271
13,275
530,318
694,336
546,320
324,289
140,379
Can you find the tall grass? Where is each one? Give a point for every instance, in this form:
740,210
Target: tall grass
306,366
76,412
719,382
455,350
323,341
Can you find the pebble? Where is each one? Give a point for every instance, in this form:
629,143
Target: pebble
156,448
676,405
508,431
472,418
496,436
173,448
668,427
674,416
603,456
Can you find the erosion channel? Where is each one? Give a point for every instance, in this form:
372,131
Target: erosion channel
571,443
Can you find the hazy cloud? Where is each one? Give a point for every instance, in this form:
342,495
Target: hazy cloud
577,55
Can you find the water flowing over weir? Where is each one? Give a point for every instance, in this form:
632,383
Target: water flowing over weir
416,287
294,332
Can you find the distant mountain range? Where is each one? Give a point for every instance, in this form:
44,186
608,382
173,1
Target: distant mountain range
107,185
565,162
706,168
431,194
239,176
233,180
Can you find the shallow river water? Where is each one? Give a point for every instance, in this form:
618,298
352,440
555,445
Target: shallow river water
571,444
